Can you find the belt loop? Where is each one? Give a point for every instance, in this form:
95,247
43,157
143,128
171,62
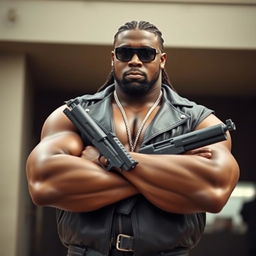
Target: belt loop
74,250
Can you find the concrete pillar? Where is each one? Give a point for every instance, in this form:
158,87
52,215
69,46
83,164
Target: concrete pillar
14,201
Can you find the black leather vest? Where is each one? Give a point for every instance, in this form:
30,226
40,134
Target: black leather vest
154,230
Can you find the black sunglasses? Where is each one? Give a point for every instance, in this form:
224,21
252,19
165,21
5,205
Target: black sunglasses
145,54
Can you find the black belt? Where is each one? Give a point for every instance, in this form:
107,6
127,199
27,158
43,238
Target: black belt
122,232
124,243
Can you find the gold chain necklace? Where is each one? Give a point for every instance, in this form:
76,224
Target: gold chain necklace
132,144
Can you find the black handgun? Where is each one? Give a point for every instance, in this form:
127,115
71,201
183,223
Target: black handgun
107,143
191,140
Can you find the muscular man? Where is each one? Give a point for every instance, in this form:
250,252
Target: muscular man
159,206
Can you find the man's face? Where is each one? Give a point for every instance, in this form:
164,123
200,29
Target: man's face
135,76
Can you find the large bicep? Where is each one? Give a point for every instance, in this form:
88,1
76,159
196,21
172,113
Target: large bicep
59,136
222,158
212,120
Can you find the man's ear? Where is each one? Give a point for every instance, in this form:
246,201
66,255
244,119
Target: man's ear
163,59
112,58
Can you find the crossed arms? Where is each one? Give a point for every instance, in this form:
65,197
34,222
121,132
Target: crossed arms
63,174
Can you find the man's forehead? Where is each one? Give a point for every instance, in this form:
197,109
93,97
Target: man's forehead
136,36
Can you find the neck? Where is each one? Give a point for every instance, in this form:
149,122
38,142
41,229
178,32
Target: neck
138,101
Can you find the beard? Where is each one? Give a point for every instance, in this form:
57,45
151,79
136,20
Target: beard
136,87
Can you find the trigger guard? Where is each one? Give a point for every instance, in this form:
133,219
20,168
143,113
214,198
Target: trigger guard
104,165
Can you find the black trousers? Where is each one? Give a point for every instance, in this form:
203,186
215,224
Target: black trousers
80,251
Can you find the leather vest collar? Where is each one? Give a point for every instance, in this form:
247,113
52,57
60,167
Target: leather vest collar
168,117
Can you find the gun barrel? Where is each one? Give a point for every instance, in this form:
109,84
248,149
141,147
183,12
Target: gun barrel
200,135
191,140
107,144
87,123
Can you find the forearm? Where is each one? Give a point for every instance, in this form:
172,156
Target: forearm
75,184
184,183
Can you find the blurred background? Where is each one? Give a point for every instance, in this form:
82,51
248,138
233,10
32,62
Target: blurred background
51,51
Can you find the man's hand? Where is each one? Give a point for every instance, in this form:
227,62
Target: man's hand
92,154
203,152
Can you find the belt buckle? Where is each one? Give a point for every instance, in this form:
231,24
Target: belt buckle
118,243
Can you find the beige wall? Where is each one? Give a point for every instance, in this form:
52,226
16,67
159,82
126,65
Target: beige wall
12,85
95,22
87,22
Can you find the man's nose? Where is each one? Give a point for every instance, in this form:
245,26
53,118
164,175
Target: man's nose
135,61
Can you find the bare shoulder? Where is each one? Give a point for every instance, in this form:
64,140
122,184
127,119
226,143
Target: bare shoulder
209,121
57,122
59,135
212,120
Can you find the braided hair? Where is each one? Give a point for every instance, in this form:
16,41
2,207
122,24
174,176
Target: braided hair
142,25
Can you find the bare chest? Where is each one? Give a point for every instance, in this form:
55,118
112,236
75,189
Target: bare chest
131,131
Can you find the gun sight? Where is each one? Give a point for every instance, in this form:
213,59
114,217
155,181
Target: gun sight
230,125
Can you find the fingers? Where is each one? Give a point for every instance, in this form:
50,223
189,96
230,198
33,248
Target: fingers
104,161
203,152
90,153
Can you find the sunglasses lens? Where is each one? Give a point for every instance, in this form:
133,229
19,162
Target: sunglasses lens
145,54
124,53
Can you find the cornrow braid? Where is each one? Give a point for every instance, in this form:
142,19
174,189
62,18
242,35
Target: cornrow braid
142,25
